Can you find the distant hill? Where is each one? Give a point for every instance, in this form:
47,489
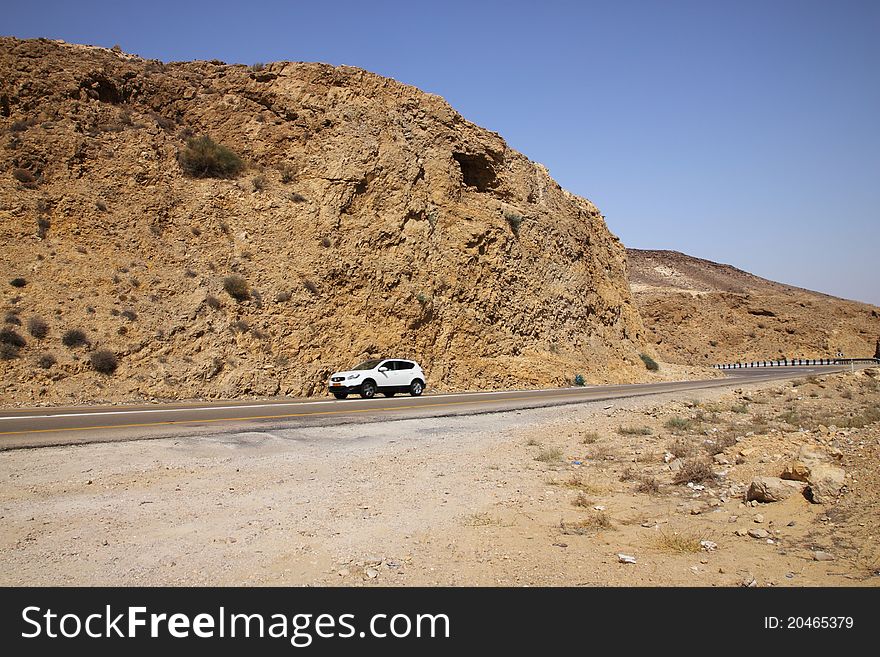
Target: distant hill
702,312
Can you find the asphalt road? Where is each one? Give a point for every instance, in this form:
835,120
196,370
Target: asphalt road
40,427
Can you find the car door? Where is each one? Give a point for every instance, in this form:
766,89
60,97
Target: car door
404,372
386,379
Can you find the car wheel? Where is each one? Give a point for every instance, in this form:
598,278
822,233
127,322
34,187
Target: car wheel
340,395
416,388
368,390
390,393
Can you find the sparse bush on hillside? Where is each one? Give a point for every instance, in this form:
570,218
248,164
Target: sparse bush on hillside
18,282
8,351
101,206
282,297
236,287
257,67
204,158
696,470
213,302
104,361
650,364
46,361
259,183
43,226
326,243
297,197
634,431
11,336
12,318
240,326
38,327
74,338
514,220
288,173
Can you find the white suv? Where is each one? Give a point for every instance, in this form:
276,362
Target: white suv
385,375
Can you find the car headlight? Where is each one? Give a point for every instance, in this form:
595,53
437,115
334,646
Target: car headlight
353,376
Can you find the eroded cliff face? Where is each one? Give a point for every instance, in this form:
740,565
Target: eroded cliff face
372,220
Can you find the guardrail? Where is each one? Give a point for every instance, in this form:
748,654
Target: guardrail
794,362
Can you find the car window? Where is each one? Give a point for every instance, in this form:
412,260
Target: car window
366,365
404,365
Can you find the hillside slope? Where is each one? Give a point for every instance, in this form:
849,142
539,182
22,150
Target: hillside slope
702,312
372,220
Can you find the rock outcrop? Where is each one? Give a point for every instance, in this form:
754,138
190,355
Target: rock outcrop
372,220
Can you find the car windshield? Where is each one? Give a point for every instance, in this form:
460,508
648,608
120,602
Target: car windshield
367,365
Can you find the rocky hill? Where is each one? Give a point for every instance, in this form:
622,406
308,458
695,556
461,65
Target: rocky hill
364,217
703,312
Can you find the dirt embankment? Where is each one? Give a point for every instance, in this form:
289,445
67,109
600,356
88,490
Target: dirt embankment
541,497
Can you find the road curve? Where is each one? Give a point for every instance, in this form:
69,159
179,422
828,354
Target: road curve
40,427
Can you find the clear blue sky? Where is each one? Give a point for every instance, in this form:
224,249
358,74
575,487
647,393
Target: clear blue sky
744,132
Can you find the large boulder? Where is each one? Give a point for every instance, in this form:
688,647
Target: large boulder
823,480
825,483
772,489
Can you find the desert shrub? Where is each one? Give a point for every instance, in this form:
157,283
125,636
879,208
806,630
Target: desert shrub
74,338
12,318
8,351
422,298
677,423
204,158
189,273
634,431
11,336
224,228
594,522
310,286
582,501
288,173
18,282
43,226
38,327
296,197
579,380
46,361
282,297
19,126
259,183
195,230
213,302
549,455
740,408
696,470
101,206
514,220
650,364
236,287
240,326
326,242
129,315
681,448
257,67
104,361
648,485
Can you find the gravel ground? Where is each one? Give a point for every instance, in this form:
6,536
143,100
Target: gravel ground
538,497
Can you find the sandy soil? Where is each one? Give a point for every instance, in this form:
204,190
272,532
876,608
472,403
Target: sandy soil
538,497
